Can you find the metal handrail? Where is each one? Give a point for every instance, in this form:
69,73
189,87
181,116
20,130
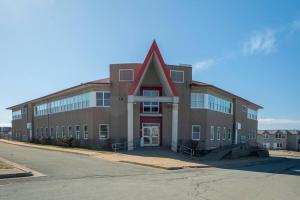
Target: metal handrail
118,146
187,150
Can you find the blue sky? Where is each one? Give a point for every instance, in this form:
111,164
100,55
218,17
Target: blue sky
250,48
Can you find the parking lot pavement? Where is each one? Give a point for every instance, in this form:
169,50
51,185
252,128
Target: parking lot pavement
79,177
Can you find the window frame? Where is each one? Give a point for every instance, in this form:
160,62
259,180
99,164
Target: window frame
224,133
70,126
108,131
103,99
212,133
56,132
85,132
229,134
151,105
218,133
199,138
174,70
63,131
198,102
128,69
77,133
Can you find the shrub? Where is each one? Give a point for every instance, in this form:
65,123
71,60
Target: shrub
46,140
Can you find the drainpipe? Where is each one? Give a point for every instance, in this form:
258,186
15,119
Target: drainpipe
234,128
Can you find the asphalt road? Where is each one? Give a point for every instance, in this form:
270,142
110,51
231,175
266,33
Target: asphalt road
71,176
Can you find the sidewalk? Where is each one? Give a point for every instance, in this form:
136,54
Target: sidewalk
168,163
284,153
163,159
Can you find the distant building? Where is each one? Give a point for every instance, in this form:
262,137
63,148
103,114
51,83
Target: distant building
5,131
279,139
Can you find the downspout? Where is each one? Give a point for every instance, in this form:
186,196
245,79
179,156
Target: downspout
234,128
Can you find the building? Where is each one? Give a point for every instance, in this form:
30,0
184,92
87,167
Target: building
5,132
140,104
279,139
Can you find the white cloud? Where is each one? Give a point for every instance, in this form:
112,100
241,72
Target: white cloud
204,64
260,42
272,121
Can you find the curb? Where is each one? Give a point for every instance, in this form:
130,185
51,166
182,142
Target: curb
248,164
45,148
165,168
26,171
16,175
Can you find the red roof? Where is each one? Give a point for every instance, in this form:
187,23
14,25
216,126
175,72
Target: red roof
197,83
153,49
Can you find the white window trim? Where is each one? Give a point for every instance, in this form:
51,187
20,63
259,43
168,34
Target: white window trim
224,133
69,130
108,130
173,70
151,102
212,133
107,91
229,134
85,138
218,133
76,133
63,131
197,139
56,132
126,70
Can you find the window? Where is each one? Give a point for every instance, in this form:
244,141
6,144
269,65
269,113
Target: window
85,132
266,136
42,132
151,107
103,99
244,108
62,131
51,132
103,131
219,104
37,132
218,133
279,145
212,133
77,132
196,132
278,135
46,132
62,105
224,133
70,132
251,114
229,134
57,132
17,114
126,74
197,100
177,76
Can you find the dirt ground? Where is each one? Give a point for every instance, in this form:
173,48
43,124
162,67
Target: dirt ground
4,165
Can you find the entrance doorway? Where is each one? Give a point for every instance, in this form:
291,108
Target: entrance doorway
151,134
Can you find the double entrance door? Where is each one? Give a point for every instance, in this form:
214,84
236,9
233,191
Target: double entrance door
151,134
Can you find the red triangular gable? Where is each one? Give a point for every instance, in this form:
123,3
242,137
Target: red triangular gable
153,49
